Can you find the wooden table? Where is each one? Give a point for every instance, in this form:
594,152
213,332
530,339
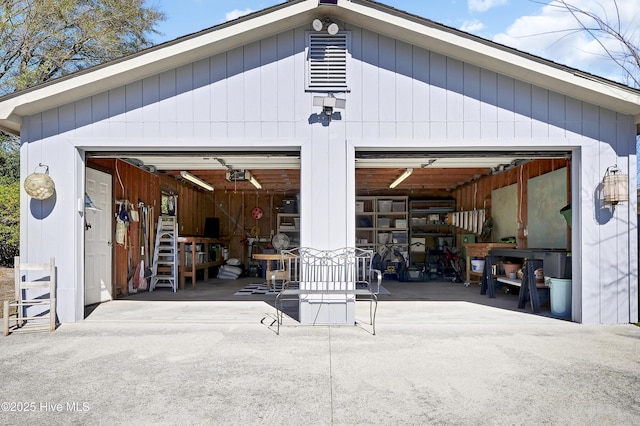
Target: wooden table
481,250
269,257
190,270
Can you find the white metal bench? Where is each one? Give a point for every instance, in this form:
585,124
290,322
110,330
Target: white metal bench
328,276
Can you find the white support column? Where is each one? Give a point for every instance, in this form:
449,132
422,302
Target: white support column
327,210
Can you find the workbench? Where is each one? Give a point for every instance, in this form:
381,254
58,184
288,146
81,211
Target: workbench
198,260
558,265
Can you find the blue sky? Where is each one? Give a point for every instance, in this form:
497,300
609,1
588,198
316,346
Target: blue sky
529,25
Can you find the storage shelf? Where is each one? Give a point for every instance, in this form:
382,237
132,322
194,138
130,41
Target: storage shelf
432,210
427,223
286,224
516,282
377,211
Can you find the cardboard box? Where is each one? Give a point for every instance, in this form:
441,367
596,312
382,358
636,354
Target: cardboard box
418,221
418,245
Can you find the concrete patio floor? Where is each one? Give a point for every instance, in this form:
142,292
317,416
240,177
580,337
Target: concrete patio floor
443,354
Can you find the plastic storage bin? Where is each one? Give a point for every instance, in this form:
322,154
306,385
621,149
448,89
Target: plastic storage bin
290,205
384,222
384,206
398,206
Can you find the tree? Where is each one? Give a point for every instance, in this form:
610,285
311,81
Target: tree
9,222
9,159
620,44
44,39
41,40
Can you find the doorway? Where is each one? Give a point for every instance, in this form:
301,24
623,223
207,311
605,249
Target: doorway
97,237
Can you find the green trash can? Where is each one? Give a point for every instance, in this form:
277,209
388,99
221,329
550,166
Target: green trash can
560,294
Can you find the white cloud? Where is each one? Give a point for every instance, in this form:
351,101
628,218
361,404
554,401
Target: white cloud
484,5
472,26
236,13
555,34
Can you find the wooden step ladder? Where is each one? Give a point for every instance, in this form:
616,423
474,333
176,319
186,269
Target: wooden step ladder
165,255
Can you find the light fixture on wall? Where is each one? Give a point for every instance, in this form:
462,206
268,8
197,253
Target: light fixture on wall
255,182
401,178
615,186
328,103
193,179
40,185
326,23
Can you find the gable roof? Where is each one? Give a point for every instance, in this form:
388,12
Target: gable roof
368,14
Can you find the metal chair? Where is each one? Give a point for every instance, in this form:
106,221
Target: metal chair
34,305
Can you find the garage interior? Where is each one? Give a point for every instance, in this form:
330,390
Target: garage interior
254,201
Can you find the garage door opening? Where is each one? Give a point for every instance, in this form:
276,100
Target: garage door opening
444,200
434,216
228,205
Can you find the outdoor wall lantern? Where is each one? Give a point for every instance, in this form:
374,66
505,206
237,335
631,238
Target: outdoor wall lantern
40,185
615,186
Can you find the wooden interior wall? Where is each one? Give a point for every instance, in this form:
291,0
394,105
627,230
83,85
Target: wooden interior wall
194,205
477,194
235,211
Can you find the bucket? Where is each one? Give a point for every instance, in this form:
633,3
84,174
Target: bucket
477,265
560,297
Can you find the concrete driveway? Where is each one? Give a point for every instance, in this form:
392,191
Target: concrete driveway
443,361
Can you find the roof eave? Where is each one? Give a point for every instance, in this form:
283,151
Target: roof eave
492,56
152,61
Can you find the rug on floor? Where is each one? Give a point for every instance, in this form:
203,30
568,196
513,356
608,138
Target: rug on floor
262,289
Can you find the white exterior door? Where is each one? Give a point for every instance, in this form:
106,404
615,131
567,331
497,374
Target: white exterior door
98,244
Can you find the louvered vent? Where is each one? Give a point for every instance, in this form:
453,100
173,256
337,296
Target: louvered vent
327,62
